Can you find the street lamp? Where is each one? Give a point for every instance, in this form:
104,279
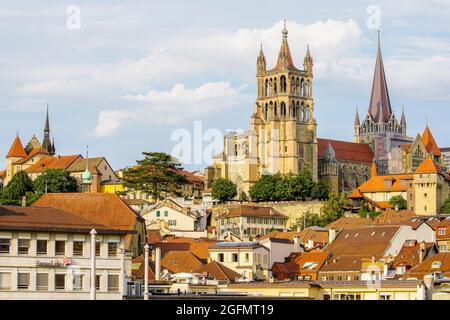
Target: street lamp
93,287
146,248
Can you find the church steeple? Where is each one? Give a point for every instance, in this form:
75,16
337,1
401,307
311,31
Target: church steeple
46,143
380,106
357,123
284,56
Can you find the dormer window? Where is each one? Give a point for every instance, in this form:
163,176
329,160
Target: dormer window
436,265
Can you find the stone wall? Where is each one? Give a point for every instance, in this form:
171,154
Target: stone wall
293,209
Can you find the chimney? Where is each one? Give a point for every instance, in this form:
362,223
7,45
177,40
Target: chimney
310,244
396,207
374,259
428,281
421,251
24,201
297,244
157,263
331,235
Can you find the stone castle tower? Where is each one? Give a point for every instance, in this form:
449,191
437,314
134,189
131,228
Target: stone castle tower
282,138
380,127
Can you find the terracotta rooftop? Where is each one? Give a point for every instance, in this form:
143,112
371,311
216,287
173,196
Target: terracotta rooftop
197,246
289,235
30,155
16,149
55,162
384,183
394,217
347,223
191,177
427,166
409,254
302,263
430,143
365,241
180,261
104,208
346,151
51,220
439,263
218,271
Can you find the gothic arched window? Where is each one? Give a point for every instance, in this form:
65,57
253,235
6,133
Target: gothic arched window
302,88
283,109
267,88
283,84
308,89
275,86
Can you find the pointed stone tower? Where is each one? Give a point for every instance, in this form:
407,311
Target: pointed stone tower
380,128
283,119
46,143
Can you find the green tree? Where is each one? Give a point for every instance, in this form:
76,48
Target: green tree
19,185
398,201
157,174
304,183
334,208
243,196
223,190
265,189
54,181
308,219
319,191
446,206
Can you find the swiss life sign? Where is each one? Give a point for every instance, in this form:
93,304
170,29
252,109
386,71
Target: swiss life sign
54,263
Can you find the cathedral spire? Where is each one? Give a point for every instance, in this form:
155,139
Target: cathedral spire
380,106
357,123
46,143
284,56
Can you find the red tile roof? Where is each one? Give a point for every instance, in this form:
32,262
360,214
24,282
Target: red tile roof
51,220
32,153
16,149
104,208
346,151
430,143
348,223
439,263
427,166
56,162
218,271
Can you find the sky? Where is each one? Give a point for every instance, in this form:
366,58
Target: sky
141,76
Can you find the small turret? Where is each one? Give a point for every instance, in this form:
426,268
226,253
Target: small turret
261,63
308,61
373,170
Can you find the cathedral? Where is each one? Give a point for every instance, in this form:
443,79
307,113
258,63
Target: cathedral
283,134
380,127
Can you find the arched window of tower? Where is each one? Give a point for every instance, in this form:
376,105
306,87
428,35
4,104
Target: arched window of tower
267,89
283,84
275,86
302,88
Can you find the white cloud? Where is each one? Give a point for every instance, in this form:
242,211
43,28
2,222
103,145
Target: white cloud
173,107
109,121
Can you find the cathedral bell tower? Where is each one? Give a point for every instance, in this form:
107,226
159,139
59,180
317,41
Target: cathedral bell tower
283,119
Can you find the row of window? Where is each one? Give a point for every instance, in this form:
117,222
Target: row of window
60,281
42,247
270,221
340,278
297,87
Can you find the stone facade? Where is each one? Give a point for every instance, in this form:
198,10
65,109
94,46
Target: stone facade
283,134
